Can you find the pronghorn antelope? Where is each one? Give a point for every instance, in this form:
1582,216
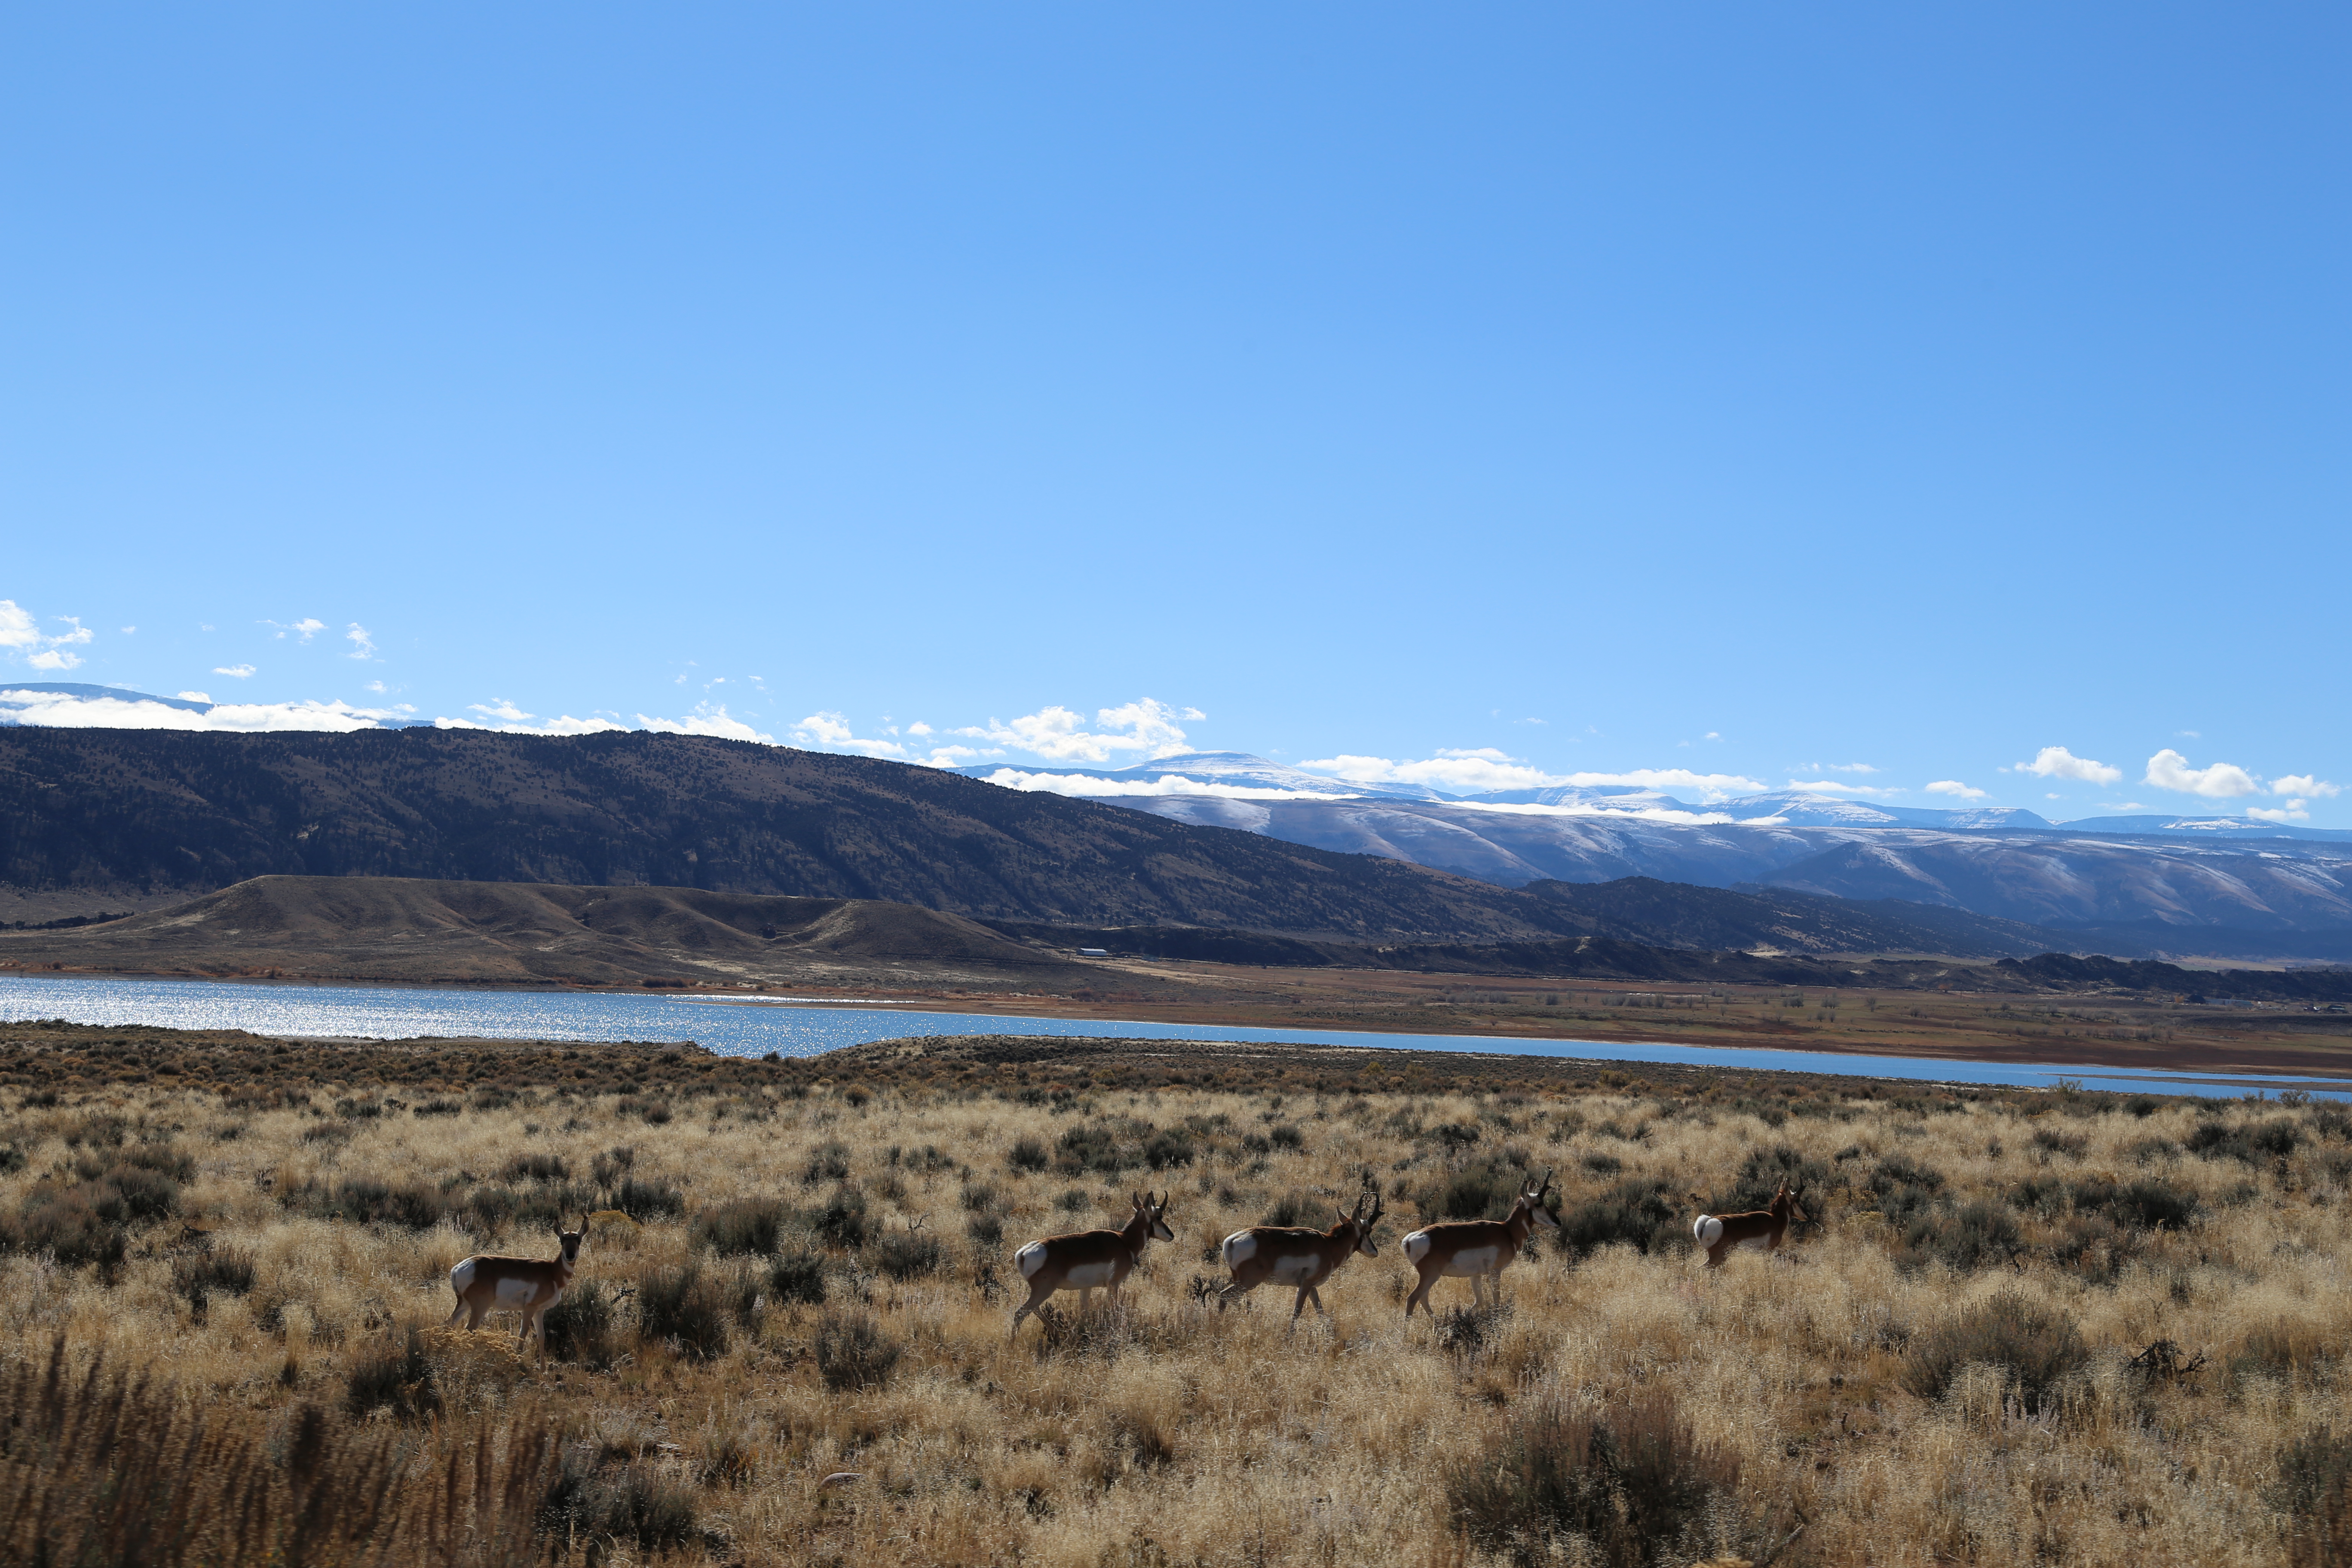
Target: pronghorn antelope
1762,1228
1302,1258
1084,1260
527,1285
1478,1250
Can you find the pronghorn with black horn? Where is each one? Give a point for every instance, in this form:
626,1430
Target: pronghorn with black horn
1300,1256
1476,1249
527,1285
1765,1227
1086,1260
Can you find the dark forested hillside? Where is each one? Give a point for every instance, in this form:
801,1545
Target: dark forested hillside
153,809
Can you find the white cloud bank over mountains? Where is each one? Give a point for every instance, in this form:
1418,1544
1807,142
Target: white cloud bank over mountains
1131,734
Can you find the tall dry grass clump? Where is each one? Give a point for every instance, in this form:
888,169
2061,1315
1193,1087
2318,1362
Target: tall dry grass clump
2023,1328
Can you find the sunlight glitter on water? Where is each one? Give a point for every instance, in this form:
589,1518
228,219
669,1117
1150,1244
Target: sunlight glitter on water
402,1012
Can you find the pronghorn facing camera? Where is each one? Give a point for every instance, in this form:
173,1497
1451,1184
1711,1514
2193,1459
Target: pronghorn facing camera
1476,1249
1085,1260
1765,1227
527,1285
1277,1253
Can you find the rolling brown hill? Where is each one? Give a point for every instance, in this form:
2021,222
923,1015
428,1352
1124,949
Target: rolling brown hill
142,811
382,927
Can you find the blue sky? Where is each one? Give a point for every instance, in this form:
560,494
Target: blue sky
1562,391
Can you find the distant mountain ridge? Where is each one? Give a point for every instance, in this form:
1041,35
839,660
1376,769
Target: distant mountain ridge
2208,887
163,811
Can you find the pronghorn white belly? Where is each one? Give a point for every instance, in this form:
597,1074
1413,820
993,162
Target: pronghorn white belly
1761,1241
1709,1230
514,1292
1086,1276
1030,1258
1474,1261
1300,1270
1238,1249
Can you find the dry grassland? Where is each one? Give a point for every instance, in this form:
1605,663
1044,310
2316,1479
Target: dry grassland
2026,1327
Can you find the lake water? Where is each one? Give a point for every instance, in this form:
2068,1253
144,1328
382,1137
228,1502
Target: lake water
755,1029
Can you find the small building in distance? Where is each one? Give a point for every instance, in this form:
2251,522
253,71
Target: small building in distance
1094,953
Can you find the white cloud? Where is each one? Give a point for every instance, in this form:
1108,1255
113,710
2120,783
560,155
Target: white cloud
567,725
831,731
54,710
2292,812
379,687
19,630
1833,786
499,707
1147,726
2222,781
1083,787
127,631
18,626
1488,769
2303,785
363,645
2058,762
1954,787
303,630
706,720
1837,768
240,671
196,696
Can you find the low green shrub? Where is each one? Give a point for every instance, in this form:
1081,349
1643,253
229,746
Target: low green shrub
752,1227
852,1351
685,1306
2038,1345
1635,1482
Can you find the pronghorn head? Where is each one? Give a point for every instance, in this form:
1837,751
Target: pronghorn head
1361,1223
570,1240
1531,1198
1148,1209
1788,1202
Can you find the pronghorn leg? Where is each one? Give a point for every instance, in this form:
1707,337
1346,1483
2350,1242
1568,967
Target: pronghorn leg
1086,1299
455,1313
1420,1296
474,1316
1315,1296
1231,1290
1026,1308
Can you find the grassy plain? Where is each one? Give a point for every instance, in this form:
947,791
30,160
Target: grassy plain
2025,1327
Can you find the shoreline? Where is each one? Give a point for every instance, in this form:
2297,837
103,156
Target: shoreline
2208,1061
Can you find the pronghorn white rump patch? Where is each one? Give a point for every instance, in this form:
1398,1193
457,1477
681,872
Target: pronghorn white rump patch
1416,1247
1296,1270
462,1276
1030,1258
1086,1276
1709,1230
513,1292
1239,1248
1474,1261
